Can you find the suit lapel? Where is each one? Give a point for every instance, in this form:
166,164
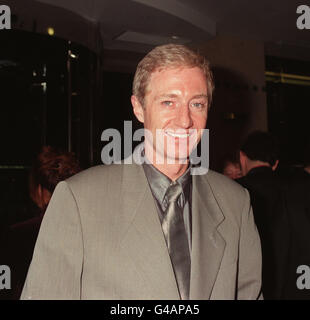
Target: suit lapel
143,240
207,243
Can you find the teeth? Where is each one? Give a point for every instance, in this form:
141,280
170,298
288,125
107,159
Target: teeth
177,135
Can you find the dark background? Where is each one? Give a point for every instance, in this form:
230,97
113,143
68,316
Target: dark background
49,97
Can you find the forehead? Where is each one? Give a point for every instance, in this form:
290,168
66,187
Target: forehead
183,78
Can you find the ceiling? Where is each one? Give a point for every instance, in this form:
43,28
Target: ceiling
137,25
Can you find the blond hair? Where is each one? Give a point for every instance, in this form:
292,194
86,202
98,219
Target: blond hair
166,57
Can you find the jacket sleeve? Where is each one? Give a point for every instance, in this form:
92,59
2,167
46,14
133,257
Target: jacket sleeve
250,259
56,268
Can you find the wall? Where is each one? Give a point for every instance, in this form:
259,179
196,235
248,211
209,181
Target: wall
239,104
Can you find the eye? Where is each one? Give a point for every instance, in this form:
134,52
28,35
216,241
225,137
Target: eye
167,103
198,104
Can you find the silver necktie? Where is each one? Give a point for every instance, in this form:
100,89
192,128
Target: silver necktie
176,239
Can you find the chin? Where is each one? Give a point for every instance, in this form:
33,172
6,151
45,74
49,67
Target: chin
182,158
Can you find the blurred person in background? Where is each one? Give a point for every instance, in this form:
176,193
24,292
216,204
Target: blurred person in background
231,166
259,158
16,248
297,197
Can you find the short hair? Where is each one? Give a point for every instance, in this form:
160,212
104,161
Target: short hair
52,166
231,157
261,146
169,56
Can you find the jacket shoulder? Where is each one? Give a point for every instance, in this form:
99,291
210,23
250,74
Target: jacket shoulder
232,198
95,179
105,179
222,184
94,173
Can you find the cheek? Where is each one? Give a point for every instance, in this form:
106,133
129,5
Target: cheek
152,115
149,120
200,121
161,119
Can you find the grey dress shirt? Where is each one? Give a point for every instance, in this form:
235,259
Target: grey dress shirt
159,184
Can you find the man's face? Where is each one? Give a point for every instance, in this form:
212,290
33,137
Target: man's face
175,112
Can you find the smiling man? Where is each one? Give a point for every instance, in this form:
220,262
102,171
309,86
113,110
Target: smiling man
152,231
174,112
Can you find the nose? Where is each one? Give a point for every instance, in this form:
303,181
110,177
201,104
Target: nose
183,117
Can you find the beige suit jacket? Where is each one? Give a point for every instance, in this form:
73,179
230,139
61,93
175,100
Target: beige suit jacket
101,238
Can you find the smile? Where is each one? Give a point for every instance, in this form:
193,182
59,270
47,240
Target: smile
177,135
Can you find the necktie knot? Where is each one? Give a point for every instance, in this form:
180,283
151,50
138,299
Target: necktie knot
173,192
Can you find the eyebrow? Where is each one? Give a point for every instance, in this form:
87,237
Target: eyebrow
166,96
172,95
198,96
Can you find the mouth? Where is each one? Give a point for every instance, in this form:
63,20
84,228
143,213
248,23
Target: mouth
179,135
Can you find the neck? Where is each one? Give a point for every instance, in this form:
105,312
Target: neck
172,171
255,164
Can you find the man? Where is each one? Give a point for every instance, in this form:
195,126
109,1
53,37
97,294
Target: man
231,166
152,231
259,158
297,196
260,150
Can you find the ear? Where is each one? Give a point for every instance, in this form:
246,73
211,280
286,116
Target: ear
274,167
39,191
137,108
46,196
243,162
241,156
36,195
43,197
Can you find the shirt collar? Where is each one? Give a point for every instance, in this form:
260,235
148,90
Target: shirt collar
259,169
159,183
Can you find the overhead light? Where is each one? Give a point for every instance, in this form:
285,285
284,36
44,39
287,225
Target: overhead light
72,55
50,31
